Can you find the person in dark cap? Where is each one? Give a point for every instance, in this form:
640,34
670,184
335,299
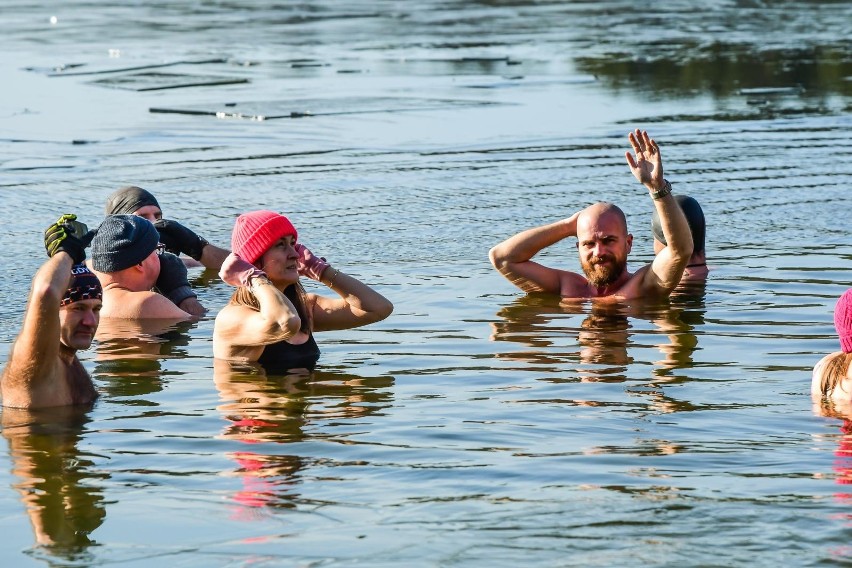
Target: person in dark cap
696,269
132,200
130,263
62,316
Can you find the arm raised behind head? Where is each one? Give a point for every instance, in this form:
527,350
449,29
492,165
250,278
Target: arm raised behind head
357,305
512,257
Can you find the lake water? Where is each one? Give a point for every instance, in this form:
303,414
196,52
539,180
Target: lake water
475,426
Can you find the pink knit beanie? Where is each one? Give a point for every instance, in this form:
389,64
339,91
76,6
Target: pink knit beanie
843,320
255,232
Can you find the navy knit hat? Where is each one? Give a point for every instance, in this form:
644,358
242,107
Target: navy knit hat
122,241
127,200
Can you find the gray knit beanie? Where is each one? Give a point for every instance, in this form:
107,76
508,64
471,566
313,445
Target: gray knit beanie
122,241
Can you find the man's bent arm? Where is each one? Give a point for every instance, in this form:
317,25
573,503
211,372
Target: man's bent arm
35,352
667,267
512,257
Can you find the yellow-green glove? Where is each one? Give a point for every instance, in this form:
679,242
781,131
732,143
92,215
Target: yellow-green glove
68,235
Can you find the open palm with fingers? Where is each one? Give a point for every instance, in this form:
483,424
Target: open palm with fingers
647,166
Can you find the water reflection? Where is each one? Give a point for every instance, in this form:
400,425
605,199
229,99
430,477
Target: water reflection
55,478
543,322
603,336
129,353
725,69
679,324
842,465
264,411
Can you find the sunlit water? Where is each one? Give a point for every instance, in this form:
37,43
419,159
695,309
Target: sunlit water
474,426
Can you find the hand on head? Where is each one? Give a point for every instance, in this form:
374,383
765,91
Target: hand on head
179,239
237,272
308,264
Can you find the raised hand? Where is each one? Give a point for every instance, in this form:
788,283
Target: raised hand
309,265
178,239
237,272
68,235
647,167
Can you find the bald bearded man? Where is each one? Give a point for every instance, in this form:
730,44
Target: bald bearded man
603,243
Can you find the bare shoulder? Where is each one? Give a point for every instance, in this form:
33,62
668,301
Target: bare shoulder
825,377
233,315
139,305
233,338
643,284
821,366
573,285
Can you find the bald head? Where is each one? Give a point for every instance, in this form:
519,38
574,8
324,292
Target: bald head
603,243
599,217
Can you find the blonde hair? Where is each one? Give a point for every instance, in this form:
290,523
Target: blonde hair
243,296
834,372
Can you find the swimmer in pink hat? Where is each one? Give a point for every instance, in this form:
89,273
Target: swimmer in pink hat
832,376
271,319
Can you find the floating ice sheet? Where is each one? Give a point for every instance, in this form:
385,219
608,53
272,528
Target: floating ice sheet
156,81
77,69
301,108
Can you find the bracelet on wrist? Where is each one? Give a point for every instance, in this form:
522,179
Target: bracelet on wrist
663,191
260,280
330,282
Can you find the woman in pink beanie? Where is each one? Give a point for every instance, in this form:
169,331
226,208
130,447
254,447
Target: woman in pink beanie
832,377
270,319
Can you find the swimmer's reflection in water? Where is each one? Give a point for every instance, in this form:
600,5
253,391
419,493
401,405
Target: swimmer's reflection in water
261,408
842,466
601,337
680,321
129,353
55,478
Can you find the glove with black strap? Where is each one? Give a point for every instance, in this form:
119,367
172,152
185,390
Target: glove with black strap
178,239
68,235
172,281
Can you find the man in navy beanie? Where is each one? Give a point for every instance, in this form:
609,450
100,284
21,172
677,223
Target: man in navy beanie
140,280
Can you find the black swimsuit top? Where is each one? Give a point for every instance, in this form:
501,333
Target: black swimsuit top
279,357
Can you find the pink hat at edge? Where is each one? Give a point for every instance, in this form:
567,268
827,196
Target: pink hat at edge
843,320
255,233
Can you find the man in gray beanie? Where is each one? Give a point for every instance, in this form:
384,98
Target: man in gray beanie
128,260
132,200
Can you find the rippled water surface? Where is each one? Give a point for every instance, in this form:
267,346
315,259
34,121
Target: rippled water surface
475,426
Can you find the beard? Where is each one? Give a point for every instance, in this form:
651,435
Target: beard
600,274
